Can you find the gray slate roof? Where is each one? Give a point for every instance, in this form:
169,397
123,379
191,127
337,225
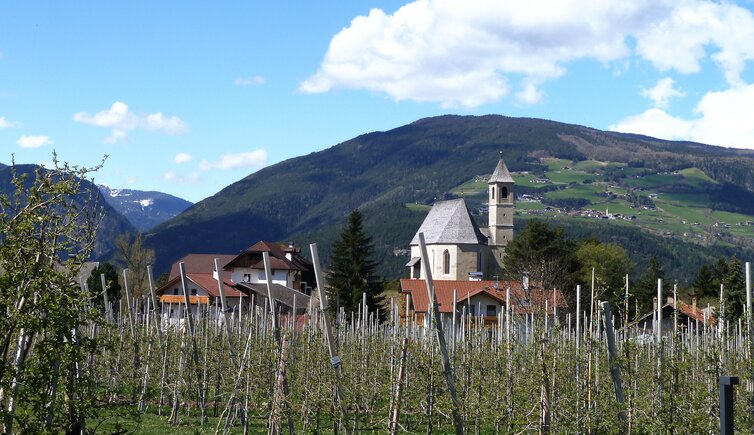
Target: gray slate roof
280,293
449,222
501,174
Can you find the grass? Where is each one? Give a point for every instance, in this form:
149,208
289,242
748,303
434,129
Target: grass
554,164
528,181
120,420
529,205
417,207
567,176
581,191
470,188
586,165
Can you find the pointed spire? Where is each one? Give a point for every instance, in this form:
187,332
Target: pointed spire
501,174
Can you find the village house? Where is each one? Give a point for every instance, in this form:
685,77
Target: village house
203,287
457,248
292,275
486,299
244,281
687,315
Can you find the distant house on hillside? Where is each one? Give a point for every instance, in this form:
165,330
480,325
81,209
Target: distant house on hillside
480,298
457,248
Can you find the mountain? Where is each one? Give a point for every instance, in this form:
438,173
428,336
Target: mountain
393,176
110,227
144,209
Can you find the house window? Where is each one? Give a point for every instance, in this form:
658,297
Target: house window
491,310
492,196
446,262
246,277
193,292
175,291
503,193
478,261
472,310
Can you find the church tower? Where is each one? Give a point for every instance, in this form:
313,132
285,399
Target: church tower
501,205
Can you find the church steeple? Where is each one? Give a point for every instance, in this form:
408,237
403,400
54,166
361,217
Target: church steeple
501,206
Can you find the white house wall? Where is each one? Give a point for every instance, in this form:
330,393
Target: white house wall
257,276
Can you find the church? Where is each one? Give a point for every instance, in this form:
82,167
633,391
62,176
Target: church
457,248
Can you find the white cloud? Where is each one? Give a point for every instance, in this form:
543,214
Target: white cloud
179,178
34,141
121,121
662,92
182,158
4,123
466,53
256,158
724,118
655,123
249,81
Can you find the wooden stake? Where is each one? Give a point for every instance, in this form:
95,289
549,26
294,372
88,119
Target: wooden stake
447,369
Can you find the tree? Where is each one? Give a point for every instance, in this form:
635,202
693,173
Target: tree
48,229
131,254
545,254
646,288
610,263
704,282
734,285
94,282
352,272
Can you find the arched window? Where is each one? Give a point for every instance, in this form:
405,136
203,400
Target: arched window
446,262
492,195
503,192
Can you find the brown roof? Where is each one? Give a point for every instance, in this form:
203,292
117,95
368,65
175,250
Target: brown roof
199,263
467,289
695,313
207,282
252,257
280,293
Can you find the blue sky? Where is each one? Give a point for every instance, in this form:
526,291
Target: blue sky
188,97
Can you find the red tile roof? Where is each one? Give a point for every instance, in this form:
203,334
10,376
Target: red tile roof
467,289
207,282
199,263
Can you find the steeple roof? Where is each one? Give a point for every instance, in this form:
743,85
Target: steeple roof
450,222
501,174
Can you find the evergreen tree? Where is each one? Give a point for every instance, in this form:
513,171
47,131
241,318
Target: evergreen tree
734,285
704,282
646,288
352,272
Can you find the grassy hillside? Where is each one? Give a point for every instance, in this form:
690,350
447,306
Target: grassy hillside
392,176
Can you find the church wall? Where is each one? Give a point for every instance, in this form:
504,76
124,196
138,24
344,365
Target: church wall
463,259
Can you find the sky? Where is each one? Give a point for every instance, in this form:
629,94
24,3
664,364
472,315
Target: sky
187,97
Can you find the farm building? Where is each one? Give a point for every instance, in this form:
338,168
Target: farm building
288,267
203,287
244,281
480,298
457,248
686,315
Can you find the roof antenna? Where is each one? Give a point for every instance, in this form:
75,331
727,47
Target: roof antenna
501,154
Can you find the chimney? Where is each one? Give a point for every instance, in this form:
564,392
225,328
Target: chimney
654,304
670,300
693,304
